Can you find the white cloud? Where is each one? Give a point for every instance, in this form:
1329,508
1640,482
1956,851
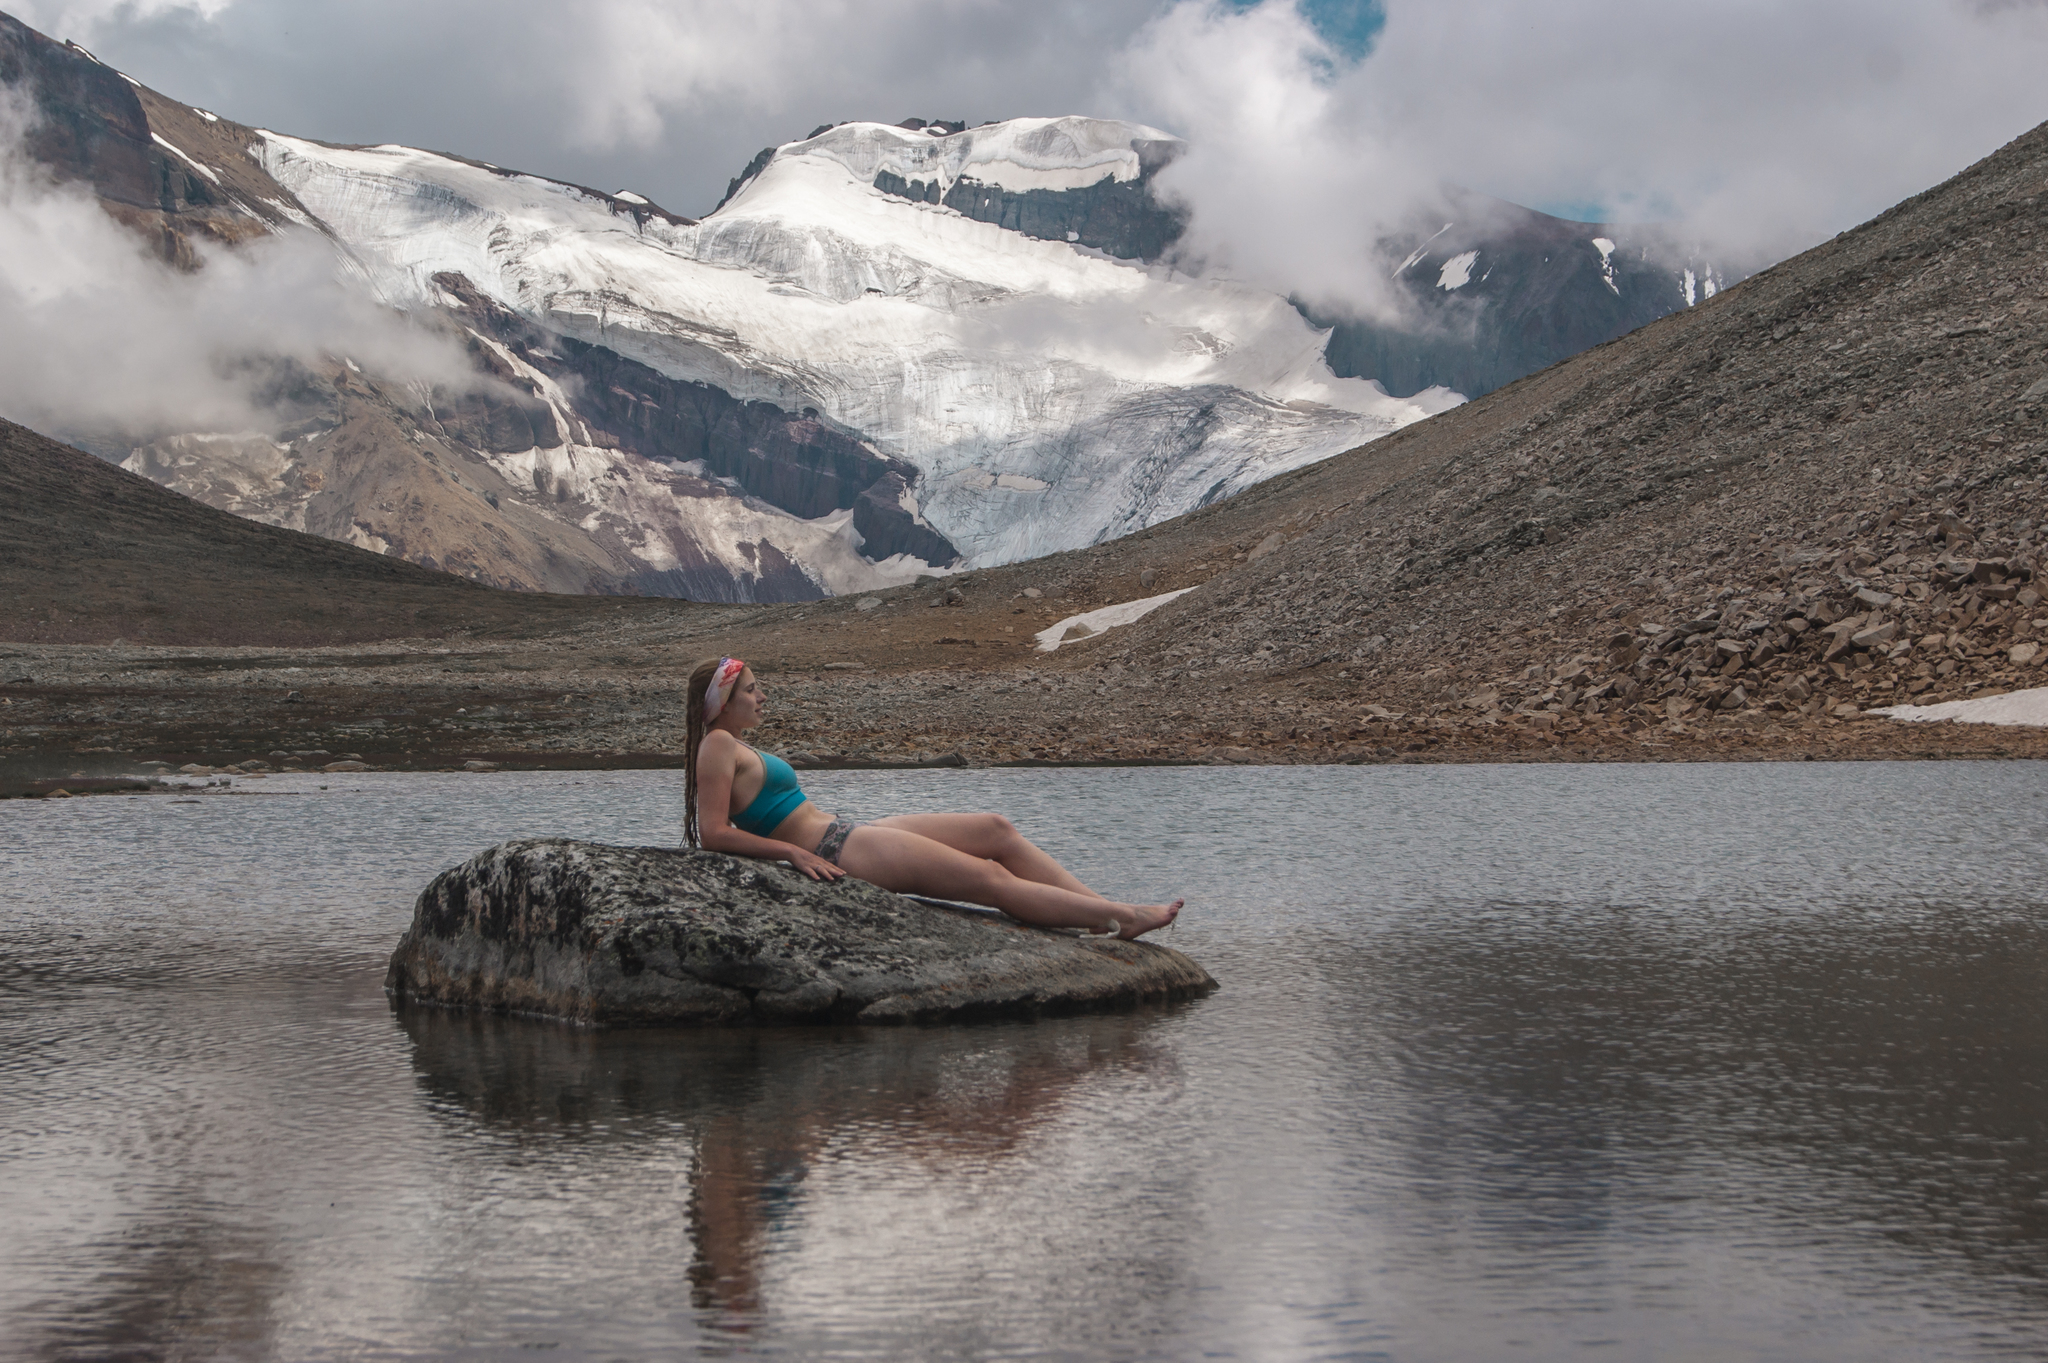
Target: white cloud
1764,126
83,20
103,338
1287,187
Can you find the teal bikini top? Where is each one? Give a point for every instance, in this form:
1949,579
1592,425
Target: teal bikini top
779,797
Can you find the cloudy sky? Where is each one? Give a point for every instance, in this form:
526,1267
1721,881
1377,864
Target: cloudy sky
1765,125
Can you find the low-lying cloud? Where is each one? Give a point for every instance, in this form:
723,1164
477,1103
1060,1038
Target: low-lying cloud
105,342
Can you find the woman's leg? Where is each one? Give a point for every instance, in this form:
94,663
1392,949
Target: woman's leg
994,837
910,863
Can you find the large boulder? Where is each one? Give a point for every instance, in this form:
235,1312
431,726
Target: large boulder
651,935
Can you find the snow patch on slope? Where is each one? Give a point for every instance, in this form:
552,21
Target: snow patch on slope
1091,623
1421,251
1457,271
1606,250
1017,155
1699,284
159,140
2029,707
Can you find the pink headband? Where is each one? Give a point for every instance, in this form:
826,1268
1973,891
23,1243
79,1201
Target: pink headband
722,680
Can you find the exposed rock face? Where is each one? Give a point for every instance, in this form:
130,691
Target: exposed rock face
792,460
92,125
888,525
625,936
1501,291
796,461
1118,217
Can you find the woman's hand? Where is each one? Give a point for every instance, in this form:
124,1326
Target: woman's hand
813,865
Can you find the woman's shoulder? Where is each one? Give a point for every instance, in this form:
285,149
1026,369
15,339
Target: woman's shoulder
719,743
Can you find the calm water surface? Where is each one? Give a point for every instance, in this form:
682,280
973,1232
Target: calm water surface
1684,1062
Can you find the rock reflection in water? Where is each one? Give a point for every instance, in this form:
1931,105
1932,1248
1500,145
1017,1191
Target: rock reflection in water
758,1110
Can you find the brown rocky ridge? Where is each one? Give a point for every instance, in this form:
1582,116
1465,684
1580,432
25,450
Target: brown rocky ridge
91,553
1721,536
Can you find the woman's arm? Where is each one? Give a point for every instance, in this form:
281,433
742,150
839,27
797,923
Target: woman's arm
718,762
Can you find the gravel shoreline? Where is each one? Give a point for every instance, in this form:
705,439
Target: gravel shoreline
76,716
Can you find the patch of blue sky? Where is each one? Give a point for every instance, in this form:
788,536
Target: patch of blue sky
1348,26
1575,210
1630,209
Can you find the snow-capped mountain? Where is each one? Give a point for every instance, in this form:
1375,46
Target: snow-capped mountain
1045,395
1086,181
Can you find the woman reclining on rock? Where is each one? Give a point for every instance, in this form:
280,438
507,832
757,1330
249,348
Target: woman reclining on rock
747,802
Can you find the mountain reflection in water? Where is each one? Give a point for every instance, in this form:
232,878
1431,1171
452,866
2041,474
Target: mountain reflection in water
1730,1061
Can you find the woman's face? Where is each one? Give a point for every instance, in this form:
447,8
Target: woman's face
744,706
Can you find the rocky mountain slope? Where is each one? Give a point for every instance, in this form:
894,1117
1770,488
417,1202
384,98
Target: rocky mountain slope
91,553
1818,492
1492,291
89,125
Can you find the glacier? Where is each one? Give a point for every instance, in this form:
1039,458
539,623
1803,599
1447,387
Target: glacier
1049,396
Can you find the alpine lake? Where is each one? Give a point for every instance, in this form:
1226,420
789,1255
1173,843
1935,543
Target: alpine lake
1720,1061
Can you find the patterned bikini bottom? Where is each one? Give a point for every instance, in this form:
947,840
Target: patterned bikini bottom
836,834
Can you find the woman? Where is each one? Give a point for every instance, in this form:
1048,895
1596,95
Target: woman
747,803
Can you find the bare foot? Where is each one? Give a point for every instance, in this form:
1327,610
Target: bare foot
1149,917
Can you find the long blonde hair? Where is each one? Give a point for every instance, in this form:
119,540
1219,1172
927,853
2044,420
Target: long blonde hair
693,702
